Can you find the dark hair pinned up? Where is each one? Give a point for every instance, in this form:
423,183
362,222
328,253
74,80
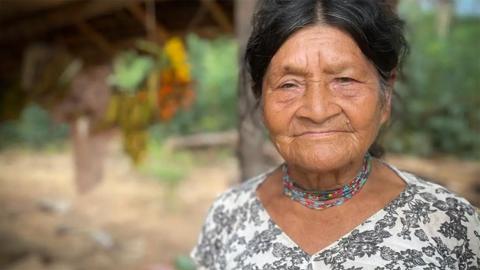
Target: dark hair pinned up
373,25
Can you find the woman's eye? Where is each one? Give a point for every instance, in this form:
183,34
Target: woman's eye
345,80
288,85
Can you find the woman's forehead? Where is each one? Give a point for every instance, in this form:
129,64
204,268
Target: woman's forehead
316,46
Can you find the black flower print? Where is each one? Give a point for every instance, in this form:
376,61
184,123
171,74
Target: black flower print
425,227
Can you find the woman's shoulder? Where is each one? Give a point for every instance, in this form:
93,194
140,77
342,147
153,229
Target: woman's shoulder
231,210
430,190
239,198
434,217
429,199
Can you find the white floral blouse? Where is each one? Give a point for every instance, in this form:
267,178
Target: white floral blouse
425,227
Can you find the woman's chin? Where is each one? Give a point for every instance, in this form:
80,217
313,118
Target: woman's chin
321,158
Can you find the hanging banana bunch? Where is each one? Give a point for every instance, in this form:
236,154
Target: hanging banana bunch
150,86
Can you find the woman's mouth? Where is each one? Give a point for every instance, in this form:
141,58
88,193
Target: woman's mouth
320,134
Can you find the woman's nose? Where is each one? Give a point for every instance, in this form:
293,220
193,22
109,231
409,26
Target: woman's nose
318,104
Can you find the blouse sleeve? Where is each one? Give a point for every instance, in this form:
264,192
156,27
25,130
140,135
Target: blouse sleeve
473,236
209,247
202,254
467,233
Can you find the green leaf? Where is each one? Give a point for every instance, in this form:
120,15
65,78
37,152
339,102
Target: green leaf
130,70
184,263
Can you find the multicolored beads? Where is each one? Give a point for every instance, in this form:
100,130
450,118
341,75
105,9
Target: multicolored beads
321,199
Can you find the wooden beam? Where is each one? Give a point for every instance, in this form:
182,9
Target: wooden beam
98,39
40,23
218,15
10,9
161,33
199,15
151,20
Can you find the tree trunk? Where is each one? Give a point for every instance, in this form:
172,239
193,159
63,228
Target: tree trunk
251,139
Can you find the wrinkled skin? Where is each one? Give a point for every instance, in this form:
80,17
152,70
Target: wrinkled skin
322,105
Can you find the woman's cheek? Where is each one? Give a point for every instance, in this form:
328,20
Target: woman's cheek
283,98
273,121
278,108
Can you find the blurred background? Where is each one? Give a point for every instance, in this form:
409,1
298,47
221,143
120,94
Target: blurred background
122,120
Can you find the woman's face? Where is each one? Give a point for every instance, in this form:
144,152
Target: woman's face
321,100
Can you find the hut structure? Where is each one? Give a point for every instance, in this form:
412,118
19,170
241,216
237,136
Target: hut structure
33,34
95,30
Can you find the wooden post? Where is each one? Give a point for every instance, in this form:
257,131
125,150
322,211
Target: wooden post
89,154
89,94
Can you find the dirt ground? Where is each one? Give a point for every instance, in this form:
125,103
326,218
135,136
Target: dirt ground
131,221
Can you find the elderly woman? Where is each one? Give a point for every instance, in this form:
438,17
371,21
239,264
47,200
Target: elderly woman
323,72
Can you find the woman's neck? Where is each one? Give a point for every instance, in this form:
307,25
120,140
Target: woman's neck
325,180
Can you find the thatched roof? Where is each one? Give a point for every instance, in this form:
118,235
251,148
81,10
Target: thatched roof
96,29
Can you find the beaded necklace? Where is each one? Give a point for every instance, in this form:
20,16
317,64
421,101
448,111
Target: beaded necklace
321,199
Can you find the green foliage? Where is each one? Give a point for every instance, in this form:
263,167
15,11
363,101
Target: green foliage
34,129
167,166
183,262
214,70
439,98
129,70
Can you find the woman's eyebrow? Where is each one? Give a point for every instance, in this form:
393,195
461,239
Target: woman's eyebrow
339,67
332,68
295,70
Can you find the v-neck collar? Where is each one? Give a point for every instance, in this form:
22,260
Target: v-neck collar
371,220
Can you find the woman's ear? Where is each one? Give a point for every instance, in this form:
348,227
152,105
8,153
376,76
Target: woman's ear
260,106
387,102
392,79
